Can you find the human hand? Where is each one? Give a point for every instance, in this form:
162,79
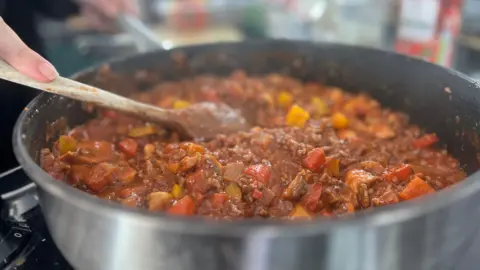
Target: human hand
21,57
101,14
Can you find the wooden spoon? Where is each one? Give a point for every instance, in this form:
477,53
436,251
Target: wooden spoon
199,121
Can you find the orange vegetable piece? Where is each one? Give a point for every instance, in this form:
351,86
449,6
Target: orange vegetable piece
184,206
399,174
126,174
218,199
426,140
339,121
416,188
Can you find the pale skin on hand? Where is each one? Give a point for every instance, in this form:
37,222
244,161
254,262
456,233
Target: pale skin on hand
22,58
15,52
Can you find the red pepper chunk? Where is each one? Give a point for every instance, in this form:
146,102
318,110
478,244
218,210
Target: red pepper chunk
313,196
257,194
219,199
185,206
260,172
110,114
128,146
426,140
401,173
315,159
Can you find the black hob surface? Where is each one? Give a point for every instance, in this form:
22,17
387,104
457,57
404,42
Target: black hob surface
25,243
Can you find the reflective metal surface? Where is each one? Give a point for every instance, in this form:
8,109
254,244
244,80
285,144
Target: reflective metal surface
427,233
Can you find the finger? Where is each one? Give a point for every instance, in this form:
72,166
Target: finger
22,58
130,6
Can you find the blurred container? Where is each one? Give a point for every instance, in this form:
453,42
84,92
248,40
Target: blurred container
360,22
429,28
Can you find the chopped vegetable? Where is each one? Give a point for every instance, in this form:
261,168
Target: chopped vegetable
346,134
219,199
417,187
339,121
180,104
173,167
99,176
142,131
128,146
336,95
321,107
192,148
401,173
130,201
158,201
372,166
382,131
177,191
285,99
314,160
350,207
299,212
297,117
232,171
257,194
234,191
126,174
354,177
313,197
296,188
333,167
110,114
184,206
426,140
259,172
267,97
196,182
188,163
66,144
148,150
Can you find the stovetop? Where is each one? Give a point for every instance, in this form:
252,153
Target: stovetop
25,243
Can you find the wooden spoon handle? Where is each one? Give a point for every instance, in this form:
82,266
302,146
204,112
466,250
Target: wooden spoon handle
79,91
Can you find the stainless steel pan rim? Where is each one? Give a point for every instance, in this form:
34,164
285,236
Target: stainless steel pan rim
382,216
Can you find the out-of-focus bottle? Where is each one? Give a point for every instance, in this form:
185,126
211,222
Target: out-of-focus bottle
428,29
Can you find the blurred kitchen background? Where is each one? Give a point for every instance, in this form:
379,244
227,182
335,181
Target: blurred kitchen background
446,32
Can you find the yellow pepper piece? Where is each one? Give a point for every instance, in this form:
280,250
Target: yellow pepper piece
234,191
66,144
321,107
299,211
285,99
339,121
180,104
297,116
177,191
333,167
142,131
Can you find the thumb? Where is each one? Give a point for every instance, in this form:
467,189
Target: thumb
22,58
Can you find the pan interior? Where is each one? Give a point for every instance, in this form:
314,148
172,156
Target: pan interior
437,99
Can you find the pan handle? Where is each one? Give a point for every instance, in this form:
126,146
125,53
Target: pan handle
18,193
